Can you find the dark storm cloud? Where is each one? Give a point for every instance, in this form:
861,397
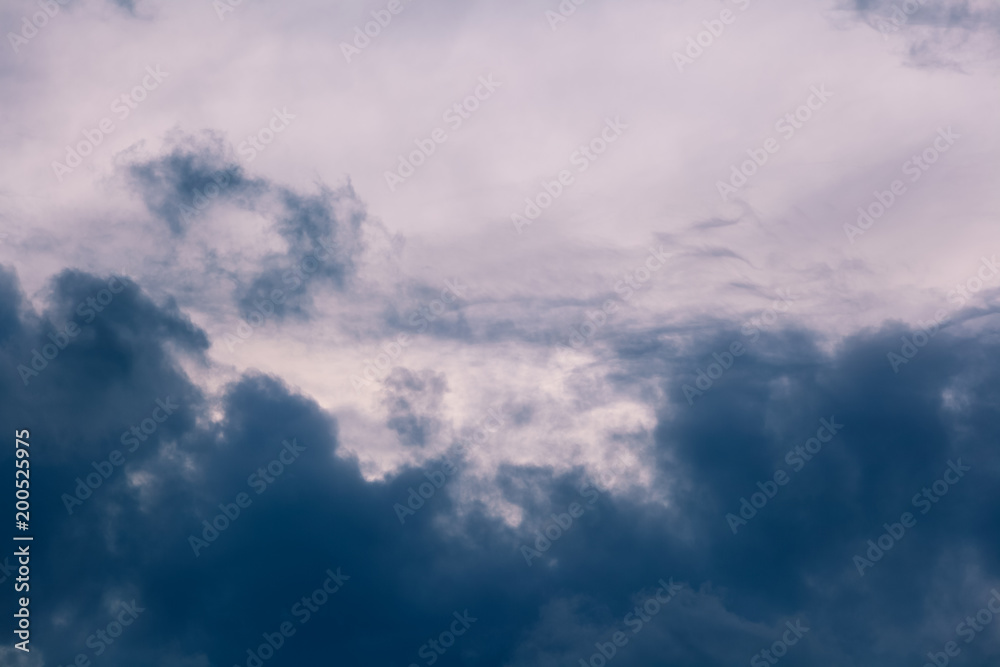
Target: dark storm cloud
598,558
110,370
899,433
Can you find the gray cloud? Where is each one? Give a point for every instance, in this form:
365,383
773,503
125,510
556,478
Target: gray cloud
793,561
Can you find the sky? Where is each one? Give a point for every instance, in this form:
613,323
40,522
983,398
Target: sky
403,332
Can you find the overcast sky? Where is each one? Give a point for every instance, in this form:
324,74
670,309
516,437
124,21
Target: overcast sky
624,255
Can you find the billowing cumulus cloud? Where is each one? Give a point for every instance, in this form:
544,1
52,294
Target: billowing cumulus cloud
254,480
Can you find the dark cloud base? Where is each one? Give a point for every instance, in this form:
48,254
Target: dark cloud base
404,583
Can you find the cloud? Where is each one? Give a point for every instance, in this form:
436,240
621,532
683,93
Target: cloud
320,234
952,33
413,401
793,561
193,175
215,486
